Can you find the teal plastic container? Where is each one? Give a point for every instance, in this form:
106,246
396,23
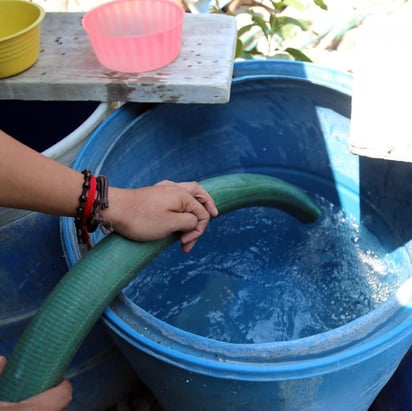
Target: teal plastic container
290,120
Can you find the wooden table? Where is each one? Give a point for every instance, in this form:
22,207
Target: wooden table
67,68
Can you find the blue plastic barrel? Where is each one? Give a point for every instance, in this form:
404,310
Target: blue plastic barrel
290,120
32,259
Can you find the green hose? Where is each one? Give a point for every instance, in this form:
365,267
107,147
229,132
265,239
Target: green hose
55,333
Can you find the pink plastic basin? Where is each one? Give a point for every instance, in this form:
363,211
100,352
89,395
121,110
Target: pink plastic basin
135,35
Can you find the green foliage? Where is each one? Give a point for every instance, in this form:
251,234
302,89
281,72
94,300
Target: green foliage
321,4
269,28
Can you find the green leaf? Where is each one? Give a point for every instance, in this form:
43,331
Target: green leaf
261,23
298,55
287,32
302,24
278,5
251,38
251,55
274,24
239,48
321,4
296,4
245,29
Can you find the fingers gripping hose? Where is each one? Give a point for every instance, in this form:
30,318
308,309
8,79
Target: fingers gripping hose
54,335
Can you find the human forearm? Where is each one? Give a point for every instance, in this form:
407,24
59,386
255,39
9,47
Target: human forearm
29,180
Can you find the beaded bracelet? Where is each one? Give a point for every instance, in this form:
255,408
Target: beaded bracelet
101,203
78,221
92,201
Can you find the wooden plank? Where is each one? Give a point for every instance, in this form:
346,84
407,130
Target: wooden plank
68,69
382,89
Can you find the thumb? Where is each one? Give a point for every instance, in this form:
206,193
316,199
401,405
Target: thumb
56,398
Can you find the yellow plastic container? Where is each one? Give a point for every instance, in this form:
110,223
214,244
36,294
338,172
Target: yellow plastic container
20,22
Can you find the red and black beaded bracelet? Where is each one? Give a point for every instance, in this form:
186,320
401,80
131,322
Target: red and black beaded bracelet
101,203
92,201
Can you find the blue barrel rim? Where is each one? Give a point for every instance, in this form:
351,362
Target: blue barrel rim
294,70
216,365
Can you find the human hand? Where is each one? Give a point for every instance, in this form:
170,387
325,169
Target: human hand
152,213
54,399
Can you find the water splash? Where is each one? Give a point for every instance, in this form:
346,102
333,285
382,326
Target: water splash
258,275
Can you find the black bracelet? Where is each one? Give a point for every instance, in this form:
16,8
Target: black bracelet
82,202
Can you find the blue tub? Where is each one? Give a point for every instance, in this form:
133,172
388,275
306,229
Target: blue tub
290,120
